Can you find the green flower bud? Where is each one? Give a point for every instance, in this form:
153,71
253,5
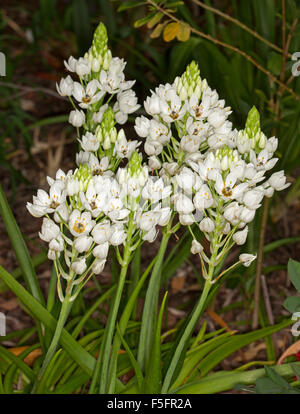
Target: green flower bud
253,123
226,156
83,175
253,130
190,82
99,54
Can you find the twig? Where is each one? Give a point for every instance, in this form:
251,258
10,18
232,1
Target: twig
259,263
228,46
31,89
268,306
267,299
240,24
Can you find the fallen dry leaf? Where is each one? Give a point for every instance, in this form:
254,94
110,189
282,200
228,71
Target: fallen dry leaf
29,360
292,350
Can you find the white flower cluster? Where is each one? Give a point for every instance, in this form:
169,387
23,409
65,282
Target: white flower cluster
218,174
88,210
99,75
213,176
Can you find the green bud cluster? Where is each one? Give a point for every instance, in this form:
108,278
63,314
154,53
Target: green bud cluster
99,53
226,156
253,130
190,82
135,164
83,174
106,132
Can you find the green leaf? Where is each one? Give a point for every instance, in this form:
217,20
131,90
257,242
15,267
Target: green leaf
292,304
144,20
135,365
129,5
275,63
236,343
83,358
294,273
20,248
224,380
153,378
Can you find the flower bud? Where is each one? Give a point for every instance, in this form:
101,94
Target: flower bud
207,225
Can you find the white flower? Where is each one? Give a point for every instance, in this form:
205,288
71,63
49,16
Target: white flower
155,190
89,142
77,118
79,266
61,213
101,251
172,109
101,232
49,230
82,157
154,162
151,235
57,244
232,213
190,143
207,225
203,198
246,215
83,67
253,198
53,254
98,116
227,189
148,220
216,118
240,237
186,219
118,235
196,247
126,102
142,126
80,224
247,259
92,201
65,87
98,167
186,180
83,243
165,215
44,203
98,266
152,105
263,161
158,132
72,186
278,181
184,204
70,64
124,148
89,95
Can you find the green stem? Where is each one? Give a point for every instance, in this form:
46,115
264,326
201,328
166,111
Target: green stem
187,334
64,312
151,302
179,353
105,351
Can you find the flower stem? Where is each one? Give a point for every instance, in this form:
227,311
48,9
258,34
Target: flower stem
179,353
151,303
64,312
105,351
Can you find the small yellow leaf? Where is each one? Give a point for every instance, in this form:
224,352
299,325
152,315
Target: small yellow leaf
155,19
157,31
184,32
170,31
